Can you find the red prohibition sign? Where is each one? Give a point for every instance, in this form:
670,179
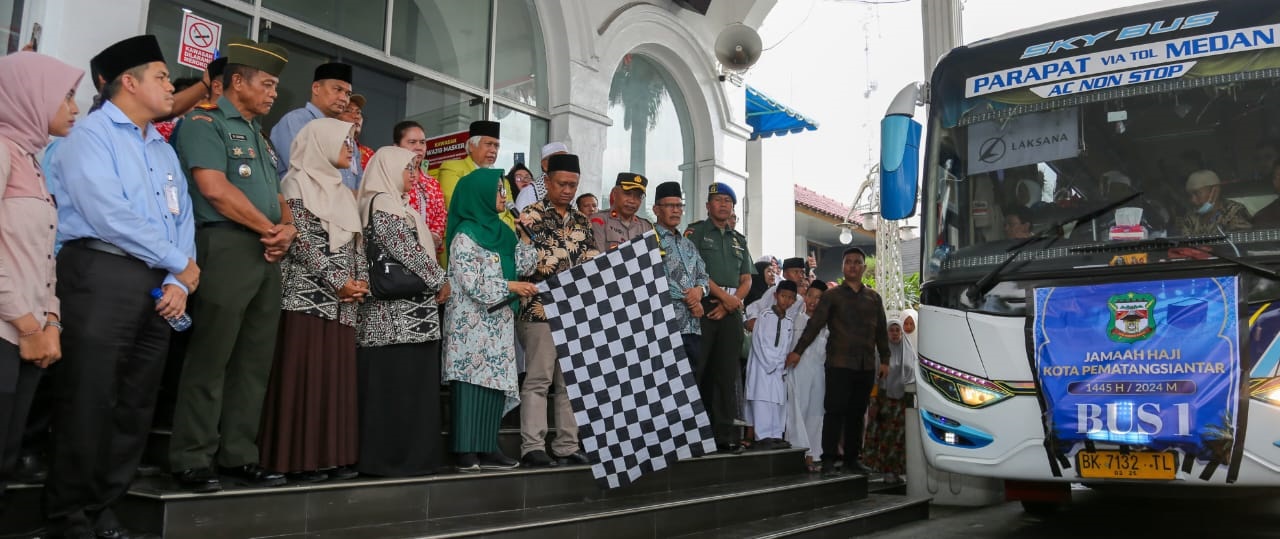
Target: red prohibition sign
200,35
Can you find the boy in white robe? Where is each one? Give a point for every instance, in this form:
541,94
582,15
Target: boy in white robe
807,385
766,391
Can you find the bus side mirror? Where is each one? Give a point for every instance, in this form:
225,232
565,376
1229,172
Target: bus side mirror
899,166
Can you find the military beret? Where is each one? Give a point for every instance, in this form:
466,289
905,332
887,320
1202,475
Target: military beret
793,263
125,55
721,188
485,128
268,57
333,70
563,161
667,189
630,180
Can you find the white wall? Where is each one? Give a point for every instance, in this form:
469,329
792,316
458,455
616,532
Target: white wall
76,30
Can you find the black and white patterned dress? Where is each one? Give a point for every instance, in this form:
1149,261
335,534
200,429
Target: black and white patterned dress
402,321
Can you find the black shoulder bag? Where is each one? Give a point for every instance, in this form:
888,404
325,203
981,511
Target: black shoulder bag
388,278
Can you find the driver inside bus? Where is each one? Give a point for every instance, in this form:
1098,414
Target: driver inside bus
1017,223
1211,214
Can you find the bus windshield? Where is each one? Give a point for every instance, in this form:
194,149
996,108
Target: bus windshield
1197,142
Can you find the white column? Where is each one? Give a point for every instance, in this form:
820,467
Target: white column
753,208
584,127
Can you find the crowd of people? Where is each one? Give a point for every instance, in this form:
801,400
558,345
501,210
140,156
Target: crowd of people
331,289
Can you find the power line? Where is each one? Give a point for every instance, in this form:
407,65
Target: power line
797,27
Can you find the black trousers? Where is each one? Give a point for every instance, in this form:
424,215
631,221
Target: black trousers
848,392
692,346
113,353
18,381
717,372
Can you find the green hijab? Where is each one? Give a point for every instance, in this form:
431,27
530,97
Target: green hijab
473,211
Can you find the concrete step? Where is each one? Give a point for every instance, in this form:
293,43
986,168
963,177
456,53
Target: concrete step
645,516
874,513
154,504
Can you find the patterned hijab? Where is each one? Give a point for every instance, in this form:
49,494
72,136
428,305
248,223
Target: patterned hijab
314,178
473,211
35,89
384,175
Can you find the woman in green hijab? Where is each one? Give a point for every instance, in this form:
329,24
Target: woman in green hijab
485,262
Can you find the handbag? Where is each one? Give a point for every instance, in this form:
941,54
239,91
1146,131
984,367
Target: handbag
388,278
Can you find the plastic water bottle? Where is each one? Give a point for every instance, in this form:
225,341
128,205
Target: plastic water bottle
178,323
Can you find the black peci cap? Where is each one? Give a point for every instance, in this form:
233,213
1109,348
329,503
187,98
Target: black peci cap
563,161
484,128
125,55
333,70
667,189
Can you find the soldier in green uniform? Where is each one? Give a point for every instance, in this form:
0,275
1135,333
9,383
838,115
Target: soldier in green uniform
724,250
243,228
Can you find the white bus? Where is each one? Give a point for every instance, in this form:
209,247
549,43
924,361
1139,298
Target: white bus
1101,232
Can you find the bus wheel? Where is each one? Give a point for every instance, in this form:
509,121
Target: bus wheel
1040,508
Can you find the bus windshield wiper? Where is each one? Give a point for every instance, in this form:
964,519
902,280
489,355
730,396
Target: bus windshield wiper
1053,233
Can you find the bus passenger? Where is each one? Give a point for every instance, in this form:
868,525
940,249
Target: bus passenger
1017,223
1211,214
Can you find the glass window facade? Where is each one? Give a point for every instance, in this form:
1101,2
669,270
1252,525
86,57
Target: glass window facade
11,24
521,134
440,109
449,37
364,23
651,134
444,35
520,63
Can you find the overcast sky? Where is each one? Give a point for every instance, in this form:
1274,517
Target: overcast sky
840,62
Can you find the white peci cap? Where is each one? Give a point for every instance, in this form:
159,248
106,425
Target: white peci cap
553,148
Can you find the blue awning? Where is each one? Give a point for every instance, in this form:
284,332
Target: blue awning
768,117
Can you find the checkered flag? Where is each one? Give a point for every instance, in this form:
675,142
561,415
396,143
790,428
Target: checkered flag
624,363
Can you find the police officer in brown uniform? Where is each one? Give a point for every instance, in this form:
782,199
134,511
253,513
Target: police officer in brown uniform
620,223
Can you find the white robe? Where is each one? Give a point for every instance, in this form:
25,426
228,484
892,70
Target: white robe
806,389
770,343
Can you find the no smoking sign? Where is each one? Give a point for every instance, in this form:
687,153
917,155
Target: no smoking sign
200,38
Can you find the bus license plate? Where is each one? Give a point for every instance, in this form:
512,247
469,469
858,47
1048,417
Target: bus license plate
1131,465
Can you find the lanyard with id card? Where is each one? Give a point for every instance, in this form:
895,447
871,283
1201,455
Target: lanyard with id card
171,196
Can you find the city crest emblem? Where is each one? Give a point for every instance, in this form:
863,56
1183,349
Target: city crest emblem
1131,317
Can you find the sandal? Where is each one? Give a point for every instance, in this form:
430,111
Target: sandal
815,467
746,444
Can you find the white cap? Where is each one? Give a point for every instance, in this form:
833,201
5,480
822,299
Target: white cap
553,148
1202,178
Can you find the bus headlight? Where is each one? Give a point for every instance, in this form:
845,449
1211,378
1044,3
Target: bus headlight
961,387
1265,389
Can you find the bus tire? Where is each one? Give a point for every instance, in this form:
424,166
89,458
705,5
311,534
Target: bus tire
1040,508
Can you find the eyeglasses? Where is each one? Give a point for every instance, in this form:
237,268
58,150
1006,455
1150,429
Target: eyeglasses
350,143
672,205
